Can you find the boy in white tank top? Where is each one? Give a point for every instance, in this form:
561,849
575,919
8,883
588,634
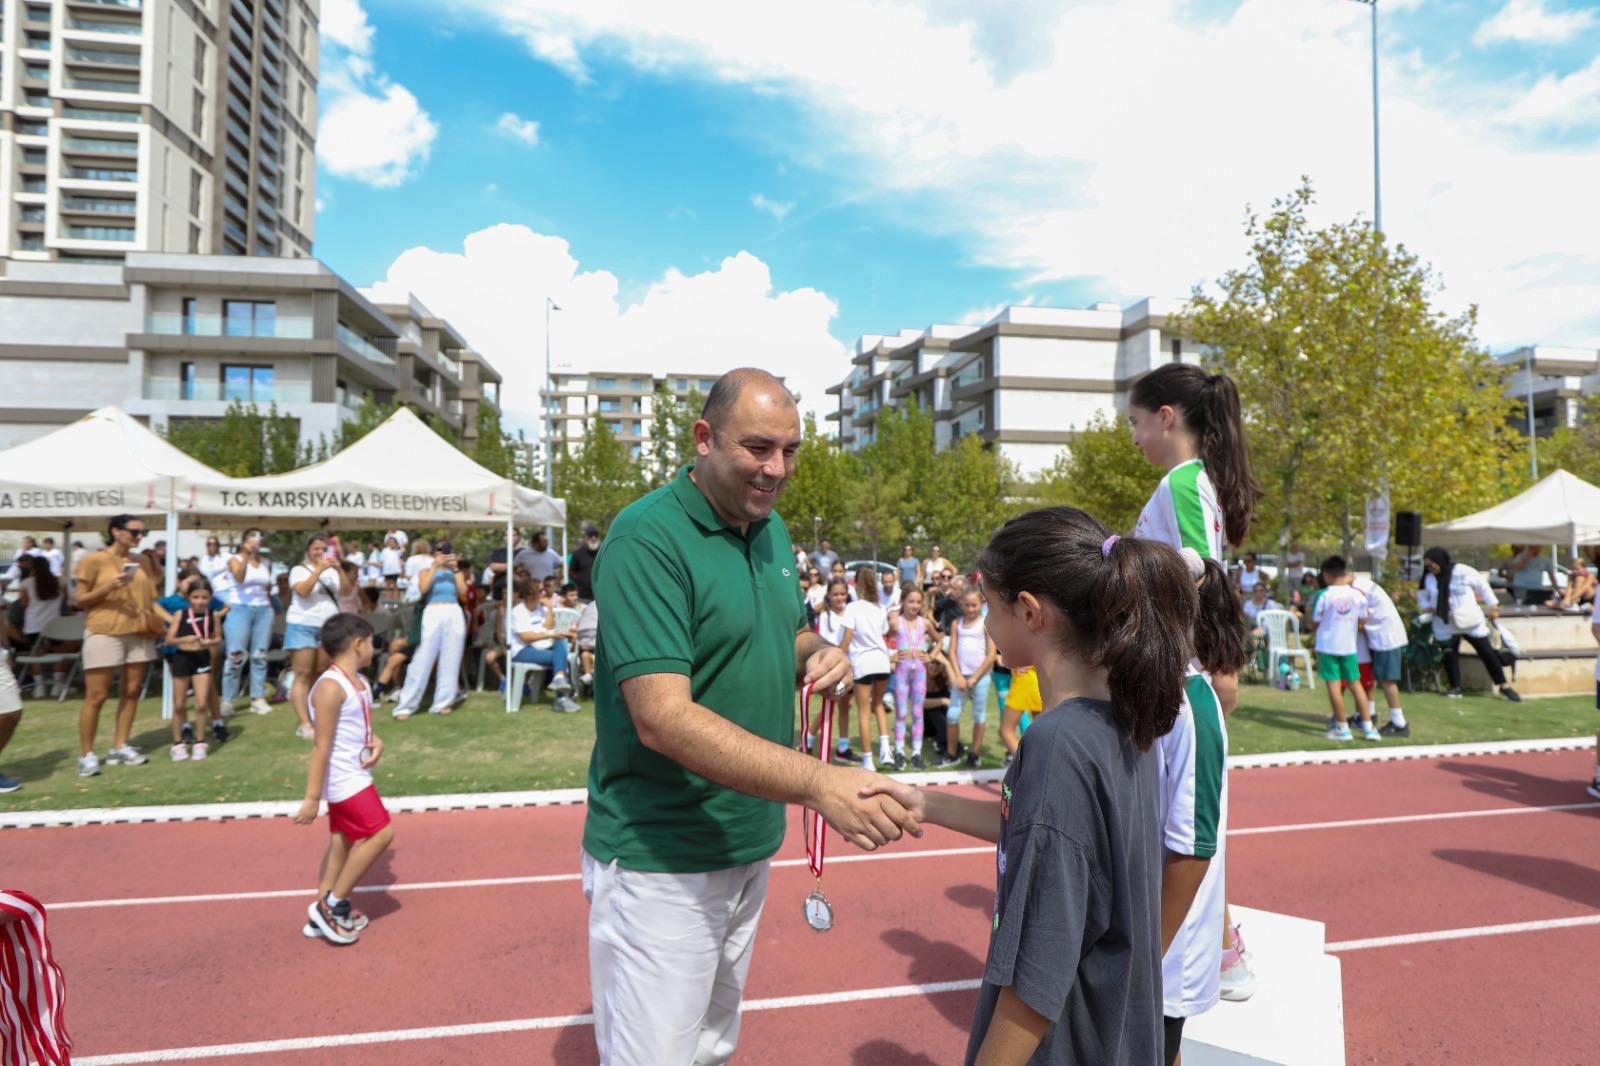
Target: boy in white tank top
342,758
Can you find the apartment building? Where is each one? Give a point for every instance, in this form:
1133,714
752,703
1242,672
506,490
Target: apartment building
177,336
1024,381
157,125
623,398
1556,380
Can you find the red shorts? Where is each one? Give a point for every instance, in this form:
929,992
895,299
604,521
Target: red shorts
1367,678
359,817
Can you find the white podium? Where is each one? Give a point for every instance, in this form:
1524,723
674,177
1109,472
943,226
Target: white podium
1296,1017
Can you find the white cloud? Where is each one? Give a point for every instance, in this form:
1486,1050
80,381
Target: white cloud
525,130
371,130
776,208
1561,102
701,324
1053,161
1531,22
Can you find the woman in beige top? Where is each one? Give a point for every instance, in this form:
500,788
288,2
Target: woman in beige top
117,597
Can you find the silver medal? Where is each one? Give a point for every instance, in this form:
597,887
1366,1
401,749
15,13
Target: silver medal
819,912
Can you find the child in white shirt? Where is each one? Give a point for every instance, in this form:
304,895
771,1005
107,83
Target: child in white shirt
1338,616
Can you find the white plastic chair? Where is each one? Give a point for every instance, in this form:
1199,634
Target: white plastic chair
63,630
518,674
1278,626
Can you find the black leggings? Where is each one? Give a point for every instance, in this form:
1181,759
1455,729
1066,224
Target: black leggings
1486,652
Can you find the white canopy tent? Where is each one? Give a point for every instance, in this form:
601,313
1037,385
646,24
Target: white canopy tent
1561,509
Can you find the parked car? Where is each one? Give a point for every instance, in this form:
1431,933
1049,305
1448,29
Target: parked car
882,567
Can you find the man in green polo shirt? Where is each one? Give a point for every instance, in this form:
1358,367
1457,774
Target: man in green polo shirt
702,640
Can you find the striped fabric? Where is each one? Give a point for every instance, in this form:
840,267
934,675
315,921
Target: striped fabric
32,990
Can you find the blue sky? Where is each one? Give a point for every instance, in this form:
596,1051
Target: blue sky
931,161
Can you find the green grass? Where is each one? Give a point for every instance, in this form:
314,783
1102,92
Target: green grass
480,748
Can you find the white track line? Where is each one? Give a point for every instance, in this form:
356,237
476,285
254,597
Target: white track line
222,812
1462,934
876,856
517,1025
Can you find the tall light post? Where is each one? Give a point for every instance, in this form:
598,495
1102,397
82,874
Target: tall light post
1533,441
549,419
1377,231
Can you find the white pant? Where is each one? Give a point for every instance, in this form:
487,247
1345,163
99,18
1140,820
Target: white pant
444,637
668,957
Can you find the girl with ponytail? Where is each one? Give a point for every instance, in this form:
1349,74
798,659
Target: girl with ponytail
1074,971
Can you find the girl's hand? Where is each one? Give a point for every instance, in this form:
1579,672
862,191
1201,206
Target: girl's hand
307,812
908,796
375,752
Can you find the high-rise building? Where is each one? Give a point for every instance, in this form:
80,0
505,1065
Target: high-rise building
157,125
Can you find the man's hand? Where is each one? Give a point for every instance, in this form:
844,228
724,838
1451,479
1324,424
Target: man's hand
847,799
829,671
908,796
307,812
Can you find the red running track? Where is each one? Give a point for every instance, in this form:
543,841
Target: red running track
199,974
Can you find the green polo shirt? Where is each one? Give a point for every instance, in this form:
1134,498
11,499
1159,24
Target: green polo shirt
680,591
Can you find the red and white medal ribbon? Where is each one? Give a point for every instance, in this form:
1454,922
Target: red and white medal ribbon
363,697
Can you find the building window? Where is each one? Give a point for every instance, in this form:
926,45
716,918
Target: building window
635,450
194,239
196,183
199,113
1177,349
200,59
300,99
248,318
191,308
610,407
604,383
682,384
30,242
31,213
706,383
248,384
186,380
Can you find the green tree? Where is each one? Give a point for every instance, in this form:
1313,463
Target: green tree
671,432
495,449
1575,449
1100,472
902,449
878,499
816,501
597,479
1349,378
245,442
968,497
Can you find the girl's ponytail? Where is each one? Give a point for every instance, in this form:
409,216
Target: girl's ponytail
1128,606
1227,458
1219,625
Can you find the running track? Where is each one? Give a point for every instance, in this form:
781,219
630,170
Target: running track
506,961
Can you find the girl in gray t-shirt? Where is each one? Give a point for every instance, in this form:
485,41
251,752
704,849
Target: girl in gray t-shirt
1074,966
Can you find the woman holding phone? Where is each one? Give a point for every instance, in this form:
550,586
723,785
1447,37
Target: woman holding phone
118,599
442,588
315,587
247,629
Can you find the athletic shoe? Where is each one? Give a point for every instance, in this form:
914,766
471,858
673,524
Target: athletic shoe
180,753
1338,734
973,761
1370,733
200,751
1454,694
1510,693
918,764
310,932
305,732
1239,944
260,706
9,784
348,914
586,680
1594,788
461,697
1238,983
88,765
188,733
1333,723
946,759
127,755
328,924
867,764
1392,730
502,686
567,705
845,757
559,683
393,695
220,734
899,760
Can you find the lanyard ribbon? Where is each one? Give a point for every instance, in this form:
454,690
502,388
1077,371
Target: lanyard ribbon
817,834
363,697
203,632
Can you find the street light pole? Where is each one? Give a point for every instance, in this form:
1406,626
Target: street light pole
1533,441
549,398
1377,231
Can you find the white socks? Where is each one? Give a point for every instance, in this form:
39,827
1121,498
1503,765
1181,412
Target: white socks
1397,717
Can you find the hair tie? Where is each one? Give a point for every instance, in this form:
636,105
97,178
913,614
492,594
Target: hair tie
1196,565
1111,542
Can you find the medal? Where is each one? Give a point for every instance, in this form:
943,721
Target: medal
818,911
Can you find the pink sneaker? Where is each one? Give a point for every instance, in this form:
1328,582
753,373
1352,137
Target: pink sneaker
180,753
200,751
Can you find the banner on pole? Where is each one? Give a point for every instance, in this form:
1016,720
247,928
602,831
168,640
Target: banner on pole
1378,525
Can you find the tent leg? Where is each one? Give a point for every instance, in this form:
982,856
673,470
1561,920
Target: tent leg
505,610
171,585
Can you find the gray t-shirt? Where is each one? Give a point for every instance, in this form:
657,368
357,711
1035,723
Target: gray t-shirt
1077,914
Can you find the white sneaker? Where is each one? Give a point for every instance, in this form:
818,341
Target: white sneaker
127,755
1238,983
88,765
200,751
587,679
180,752
559,683
1338,734
260,706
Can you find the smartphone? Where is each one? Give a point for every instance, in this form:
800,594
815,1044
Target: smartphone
126,567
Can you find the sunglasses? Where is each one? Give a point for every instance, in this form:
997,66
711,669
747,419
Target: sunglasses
135,533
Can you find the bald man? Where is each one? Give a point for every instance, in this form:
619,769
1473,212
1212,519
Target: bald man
702,639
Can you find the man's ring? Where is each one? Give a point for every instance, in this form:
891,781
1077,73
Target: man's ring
840,688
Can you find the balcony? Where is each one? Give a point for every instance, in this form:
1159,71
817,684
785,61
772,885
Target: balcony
450,365
173,324
361,346
100,146
101,174
281,392
94,114
126,5
108,56
98,205
100,233
102,85
117,26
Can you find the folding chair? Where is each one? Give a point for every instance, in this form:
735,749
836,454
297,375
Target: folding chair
1279,626
1422,658
62,630
488,637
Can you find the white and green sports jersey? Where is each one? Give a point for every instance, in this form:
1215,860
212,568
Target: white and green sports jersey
1194,822
1183,512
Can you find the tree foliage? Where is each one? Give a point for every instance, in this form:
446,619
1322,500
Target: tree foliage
1350,378
1575,449
671,433
967,498
816,502
245,442
598,478
1100,472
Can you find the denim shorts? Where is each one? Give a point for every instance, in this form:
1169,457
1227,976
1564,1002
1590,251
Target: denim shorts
298,636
